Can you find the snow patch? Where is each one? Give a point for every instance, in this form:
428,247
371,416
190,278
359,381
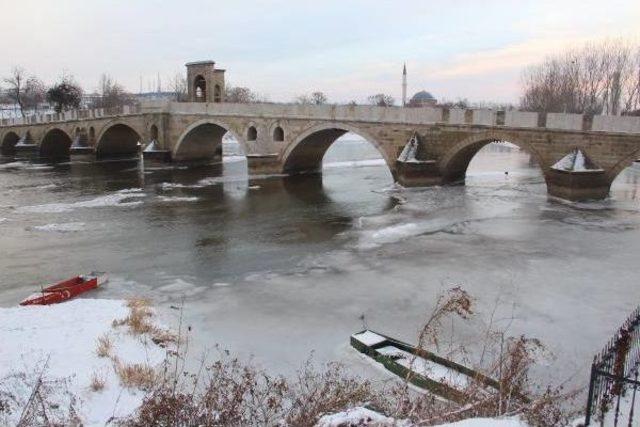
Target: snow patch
575,161
66,334
426,368
488,422
358,417
369,338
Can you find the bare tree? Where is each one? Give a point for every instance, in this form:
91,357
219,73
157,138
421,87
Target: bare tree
178,86
112,94
34,94
318,98
241,95
381,100
596,79
303,99
15,87
65,95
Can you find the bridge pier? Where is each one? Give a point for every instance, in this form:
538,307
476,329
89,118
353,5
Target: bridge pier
578,185
418,173
263,164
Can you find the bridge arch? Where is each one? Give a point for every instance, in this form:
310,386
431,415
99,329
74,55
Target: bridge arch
304,154
627,161
9,142
117,140
202,140
56,143
454,163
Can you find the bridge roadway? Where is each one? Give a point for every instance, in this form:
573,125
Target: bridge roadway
292,138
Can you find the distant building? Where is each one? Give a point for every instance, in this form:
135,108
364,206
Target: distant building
422,99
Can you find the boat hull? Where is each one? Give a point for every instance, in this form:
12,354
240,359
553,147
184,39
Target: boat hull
65,290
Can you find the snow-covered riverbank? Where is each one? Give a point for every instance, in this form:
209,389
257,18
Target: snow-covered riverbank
60,341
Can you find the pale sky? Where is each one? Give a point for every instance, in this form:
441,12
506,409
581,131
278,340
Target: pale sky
348,49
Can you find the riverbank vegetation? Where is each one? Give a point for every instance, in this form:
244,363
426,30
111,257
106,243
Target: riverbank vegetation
225,391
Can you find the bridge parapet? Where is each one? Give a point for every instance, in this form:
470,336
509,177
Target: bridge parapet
415,116
72,115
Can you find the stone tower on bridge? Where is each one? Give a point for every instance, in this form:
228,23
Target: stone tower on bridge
205,82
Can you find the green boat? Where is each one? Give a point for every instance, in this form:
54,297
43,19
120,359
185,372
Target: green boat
420,367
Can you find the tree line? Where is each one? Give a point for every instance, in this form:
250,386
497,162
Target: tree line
594,79
601,78
28,93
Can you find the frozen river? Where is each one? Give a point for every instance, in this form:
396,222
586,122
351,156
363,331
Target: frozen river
277,268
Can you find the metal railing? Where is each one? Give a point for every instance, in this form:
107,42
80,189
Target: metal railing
614,376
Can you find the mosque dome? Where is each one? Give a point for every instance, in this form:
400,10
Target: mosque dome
423,96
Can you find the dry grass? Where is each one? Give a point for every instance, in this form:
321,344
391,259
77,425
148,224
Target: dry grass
98,382
136,375
139,321
105,346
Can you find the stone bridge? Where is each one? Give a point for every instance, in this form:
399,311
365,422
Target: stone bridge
421,146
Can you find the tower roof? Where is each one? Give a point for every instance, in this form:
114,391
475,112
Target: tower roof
207,62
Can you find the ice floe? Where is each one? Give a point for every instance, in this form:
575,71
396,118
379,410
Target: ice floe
122,198
176,199
61,228
354,164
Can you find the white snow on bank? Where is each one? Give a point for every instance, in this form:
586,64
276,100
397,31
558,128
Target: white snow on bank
364,417
488,422
359,417
122,198
61,228
67,334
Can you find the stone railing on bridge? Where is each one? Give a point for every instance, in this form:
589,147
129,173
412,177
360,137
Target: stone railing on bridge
72,115
358,113
418,116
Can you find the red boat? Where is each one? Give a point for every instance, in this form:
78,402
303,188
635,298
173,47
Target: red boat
66,289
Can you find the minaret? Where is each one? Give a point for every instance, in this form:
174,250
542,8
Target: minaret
404,85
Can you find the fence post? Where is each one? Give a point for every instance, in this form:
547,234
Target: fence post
592,381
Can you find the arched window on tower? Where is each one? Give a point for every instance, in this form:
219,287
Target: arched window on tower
200,89
278,134
252,133
217,94
154,132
